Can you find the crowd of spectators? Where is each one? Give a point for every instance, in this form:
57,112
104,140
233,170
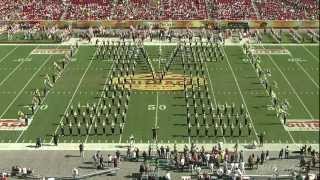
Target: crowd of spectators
158,9
233,10
42,10
87,10
101,162
184,9
288,10
136,9
10,9
192,159
21,171
219,161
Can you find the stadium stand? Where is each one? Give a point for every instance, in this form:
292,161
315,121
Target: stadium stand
184,9
287,10
42,10
9,10
88,10
233,10
158,10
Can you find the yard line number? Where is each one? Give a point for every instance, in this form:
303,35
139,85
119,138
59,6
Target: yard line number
152,107
296,60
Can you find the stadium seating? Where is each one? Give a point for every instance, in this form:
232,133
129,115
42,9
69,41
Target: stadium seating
88,10
184,9
41,10
287,10
9,9
233,10
158,9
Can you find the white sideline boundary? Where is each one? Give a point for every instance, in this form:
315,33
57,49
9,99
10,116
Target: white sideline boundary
10,52
100,98
243,100
74,93
45,97
168,44
141,146
21,91
212,91
292,88
15,69
157,93
307,74
289,133
309,52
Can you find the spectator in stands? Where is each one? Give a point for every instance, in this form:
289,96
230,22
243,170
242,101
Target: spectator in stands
166,10
55,139
281,154
75,173
262,157
141,169
4,176
109,160
250,161
38,142
267,155
101,162
286,153
118,155
81,150
168,176
115,162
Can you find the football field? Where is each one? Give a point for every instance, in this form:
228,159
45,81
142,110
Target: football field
294,76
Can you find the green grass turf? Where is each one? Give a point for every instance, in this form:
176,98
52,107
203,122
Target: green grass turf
306,90
267,38
306,38
232,80
19,38
287,38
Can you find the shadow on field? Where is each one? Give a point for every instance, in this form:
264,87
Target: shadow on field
253,89
250,77
179,124
69,156
86,167
178,114
261,96
178,105
179,135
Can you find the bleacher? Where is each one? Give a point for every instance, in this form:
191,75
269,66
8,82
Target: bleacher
158,10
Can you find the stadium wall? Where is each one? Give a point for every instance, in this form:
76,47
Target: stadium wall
114,24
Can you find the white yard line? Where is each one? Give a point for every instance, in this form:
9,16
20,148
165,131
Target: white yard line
74,93
212,91
291,137
292,88
157,101
101,94
21,91
243,100
14,70
302,68
45,97
156,115
10,52
142,146
315,57
313,81
169,44
105,83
